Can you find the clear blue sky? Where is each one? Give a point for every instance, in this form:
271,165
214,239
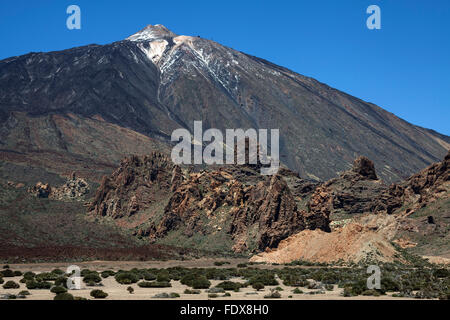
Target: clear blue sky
404,67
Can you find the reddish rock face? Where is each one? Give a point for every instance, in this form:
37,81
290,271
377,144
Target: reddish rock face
243,209
253,211
137,183
365,167
428,185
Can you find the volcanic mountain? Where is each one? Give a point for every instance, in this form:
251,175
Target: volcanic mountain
85,108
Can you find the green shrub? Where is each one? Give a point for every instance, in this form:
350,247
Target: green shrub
11,285
329,287
163,276
98,294
24,293
58,290
441,273
17,273
1,280
64,296
258,286
212,295
47,276
371,293
189,291
267,279
229,285
85,272
130,290
196,281
154,284
107,273
297,291
61,281
33,284
174,295
126,277
242,265
150,276
7,273
389,285
92,278
58,272
201,283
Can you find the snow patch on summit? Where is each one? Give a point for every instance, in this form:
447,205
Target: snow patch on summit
151,33
155,50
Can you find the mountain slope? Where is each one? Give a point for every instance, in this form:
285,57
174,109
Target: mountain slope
144,87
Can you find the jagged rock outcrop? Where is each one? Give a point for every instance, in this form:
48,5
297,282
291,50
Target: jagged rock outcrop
268,207
73,189
352,192
369,237
159,200
238,208
418,191
137,183
365,168
40,190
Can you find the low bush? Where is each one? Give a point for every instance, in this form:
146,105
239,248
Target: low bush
126,277
47,276
64,296
189,291
58,290
61,281
195,281
130,290
201,283
258,286
107,273
11,285
92,277
229,285
7,273
163,276
98,294
154,284
371,293
33,284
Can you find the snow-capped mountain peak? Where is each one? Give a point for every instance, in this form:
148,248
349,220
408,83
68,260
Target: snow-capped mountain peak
152,32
